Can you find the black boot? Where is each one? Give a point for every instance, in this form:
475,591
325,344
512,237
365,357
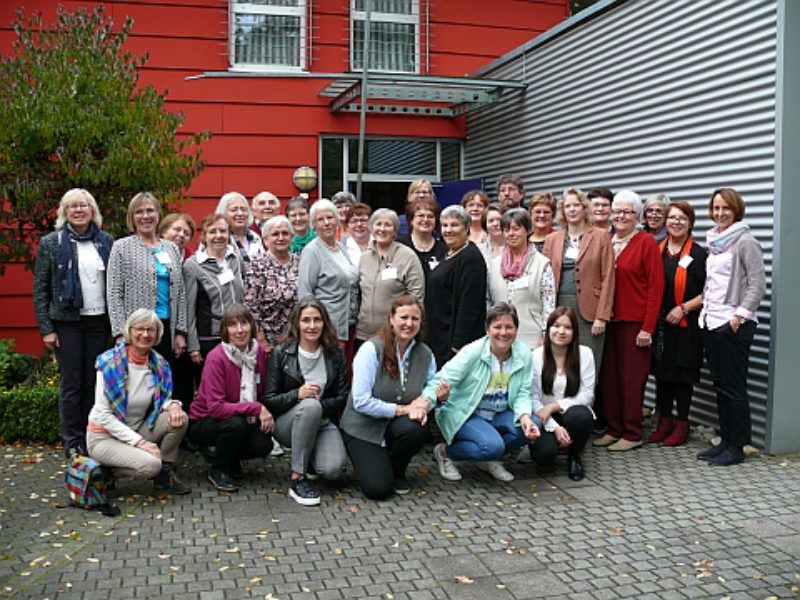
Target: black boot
168,481
575,469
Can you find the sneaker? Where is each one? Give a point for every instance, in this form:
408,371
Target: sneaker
401,486
623,445
222,481
447,469
172,485
303,492
731,456
496,469
712,452
277,449
604,441
525,454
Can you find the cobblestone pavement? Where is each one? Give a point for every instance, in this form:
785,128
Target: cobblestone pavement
652,523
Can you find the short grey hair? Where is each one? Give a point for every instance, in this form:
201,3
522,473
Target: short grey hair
343,198
228,199
628,197
274,222
77,194
520,216
267,195
385,213
661,200
142,316
322,205
454,211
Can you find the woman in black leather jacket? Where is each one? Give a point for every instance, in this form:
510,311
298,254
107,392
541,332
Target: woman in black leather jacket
307,386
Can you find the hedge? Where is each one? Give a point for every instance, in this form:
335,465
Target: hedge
30,412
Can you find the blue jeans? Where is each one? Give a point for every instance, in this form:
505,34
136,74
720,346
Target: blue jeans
479,439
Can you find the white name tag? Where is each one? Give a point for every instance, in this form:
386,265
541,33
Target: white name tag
258,378
149,381
225,277
571,253
685,261
433,263
100,265
518,284
163,258
389,273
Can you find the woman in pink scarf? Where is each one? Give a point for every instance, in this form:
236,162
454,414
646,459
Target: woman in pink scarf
523,277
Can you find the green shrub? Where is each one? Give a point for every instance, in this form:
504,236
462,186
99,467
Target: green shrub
30,412
14,367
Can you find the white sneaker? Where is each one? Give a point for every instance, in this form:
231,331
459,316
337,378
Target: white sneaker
277,449
447,469
496,469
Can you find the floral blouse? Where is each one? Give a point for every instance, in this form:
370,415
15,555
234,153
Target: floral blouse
270,292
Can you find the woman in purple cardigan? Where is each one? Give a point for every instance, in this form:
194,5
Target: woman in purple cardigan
226,411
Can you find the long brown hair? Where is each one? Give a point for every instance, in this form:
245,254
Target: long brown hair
386,334
572,364
328,339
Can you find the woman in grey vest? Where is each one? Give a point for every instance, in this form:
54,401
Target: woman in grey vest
384,420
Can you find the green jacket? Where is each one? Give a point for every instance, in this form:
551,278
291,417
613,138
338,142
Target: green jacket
468,374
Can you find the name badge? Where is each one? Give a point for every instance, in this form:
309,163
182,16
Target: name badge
163,258
258,378
519,284
100,265
571,253
433,263
149,381
685,261
388,274
226,276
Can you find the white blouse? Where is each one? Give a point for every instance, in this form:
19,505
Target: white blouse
584,397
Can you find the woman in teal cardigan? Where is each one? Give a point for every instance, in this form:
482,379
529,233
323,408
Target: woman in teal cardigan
488,412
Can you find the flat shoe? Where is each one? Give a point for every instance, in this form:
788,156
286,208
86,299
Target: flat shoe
623,445
606,440
575,470
731,456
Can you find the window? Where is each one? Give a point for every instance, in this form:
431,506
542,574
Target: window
268,34
393,35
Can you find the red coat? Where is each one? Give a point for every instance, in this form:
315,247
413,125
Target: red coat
639,282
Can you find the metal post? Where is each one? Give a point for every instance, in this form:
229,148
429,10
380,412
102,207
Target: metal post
362,122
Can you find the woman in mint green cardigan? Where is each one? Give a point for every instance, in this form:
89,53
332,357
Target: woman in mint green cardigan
488,412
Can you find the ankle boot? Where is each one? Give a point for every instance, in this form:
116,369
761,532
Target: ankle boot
665,425
679,435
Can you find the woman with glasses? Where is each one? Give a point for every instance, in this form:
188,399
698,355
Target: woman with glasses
475,203
419,189
678,350
638,291
600,201
297,213
542,209
356,242
423,218
655,212
234,206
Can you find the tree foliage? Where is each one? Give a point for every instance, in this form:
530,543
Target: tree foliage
73,115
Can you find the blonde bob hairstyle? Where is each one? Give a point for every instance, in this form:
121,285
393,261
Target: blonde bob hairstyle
143,316
74,195
138,201
588,216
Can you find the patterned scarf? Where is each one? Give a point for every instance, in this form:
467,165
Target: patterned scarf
246,361
680,273
620,243
68,281
512,269
722,241
113,366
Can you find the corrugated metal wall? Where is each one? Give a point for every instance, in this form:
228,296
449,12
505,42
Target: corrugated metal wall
673,96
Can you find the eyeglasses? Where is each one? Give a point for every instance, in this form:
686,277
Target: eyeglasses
654,212
78,206
543,213
140,329
623,213
422,192
358,221
678,219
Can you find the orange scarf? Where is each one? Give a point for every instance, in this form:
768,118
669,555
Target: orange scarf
680,273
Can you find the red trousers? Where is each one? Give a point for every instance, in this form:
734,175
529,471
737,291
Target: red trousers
623,377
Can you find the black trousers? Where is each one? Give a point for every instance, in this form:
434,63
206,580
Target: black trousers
681,393
577,420
234,438
728,356
79,344
376,467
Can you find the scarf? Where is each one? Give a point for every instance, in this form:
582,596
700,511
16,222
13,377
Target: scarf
512,269
68,281
680,273
300,242
722,241
619,243
113,366
246,361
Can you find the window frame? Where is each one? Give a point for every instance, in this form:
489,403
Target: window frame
414,18
300,11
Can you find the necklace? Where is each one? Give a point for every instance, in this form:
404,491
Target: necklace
420,245
452,253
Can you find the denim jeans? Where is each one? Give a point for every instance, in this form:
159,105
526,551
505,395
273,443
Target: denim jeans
481,440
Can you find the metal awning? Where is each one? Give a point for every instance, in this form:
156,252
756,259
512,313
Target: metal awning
415,94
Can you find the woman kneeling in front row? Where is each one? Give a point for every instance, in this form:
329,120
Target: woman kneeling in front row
488,412
563,390
226,412
135,426
307,387
384,421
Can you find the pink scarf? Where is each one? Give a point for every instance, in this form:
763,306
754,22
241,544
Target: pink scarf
512,269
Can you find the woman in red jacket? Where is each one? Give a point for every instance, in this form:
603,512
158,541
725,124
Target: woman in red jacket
638,290
227,412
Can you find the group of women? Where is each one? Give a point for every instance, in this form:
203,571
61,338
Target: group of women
495,336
